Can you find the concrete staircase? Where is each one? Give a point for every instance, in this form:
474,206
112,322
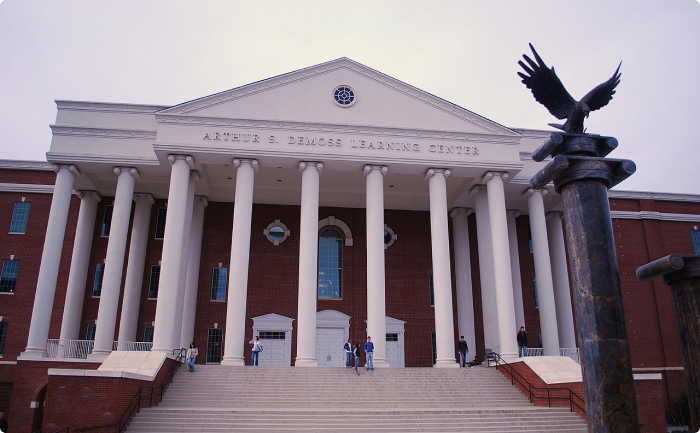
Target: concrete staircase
218,399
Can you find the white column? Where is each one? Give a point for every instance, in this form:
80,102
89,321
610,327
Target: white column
515,268
463,277
543,272
75,292
560,277
50,262
376,300
134,268
184,258
308,264
192,282
442,278
172,253
501,264
240,258
114,262
486,277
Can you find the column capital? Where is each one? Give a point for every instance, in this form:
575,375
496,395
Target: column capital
73,169
381,168
187,158
551,215
253,163
433,171
491,174
92,194
131,170
202,199
531,191
304,165
477,189
515,213
461,211
147,197
194,175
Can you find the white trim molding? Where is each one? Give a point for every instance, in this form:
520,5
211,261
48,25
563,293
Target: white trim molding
332,221
646,215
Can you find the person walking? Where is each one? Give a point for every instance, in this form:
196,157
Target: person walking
192,353
463,350
348,354
356,353
369,351
3,423
256,348
522,342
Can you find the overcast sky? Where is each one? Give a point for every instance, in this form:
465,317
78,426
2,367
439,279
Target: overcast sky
168,52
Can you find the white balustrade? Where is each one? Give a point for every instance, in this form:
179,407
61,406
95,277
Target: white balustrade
132,346
56,348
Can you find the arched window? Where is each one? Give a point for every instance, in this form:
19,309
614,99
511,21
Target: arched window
330,264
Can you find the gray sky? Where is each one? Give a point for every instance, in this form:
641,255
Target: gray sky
167,52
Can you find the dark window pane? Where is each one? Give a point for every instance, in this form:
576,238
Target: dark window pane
148,334
8,278
3,337
695,236
432,291
99,275
214,345
20,216
160,223
330,259
155,281
276,233
218,284
107,220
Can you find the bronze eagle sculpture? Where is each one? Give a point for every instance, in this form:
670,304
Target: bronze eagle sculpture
550,92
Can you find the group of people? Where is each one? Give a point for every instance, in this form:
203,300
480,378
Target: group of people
354,352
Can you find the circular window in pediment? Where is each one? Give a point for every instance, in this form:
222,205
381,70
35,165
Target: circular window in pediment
344,96
276,232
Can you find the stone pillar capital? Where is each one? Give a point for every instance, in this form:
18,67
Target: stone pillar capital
73,169
131,170
514,213
531,191
551,215
304,165
187,158
195,176
253,163
491,174
86,194
461,211
381,168
477,189
148,197
202,200
433,171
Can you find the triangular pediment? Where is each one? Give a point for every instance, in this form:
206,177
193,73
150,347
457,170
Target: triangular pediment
307,96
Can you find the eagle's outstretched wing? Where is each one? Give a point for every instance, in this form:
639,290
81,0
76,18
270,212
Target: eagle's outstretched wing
546,86
603,93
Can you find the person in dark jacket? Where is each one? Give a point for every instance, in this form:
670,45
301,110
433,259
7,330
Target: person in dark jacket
522,342
356,353
3,423
463,350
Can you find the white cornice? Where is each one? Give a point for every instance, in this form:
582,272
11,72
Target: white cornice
131,134
58,158
110,107
628,215
329,127
9,164
659,196
324,68
26,187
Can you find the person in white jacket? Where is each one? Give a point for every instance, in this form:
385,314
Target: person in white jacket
192,353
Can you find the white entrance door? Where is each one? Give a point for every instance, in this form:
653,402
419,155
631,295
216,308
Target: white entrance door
329,347
275,349
392,350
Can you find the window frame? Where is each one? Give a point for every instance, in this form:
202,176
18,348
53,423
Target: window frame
339,241
97,283
151,290
145,334
20,219
3,337
160,223
214,286
106,227
8,284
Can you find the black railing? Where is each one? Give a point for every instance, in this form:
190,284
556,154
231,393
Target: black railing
536,392
135,405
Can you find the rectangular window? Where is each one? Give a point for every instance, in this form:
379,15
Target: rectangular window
534,286
8,278
90,333
218,284
20,216
695,236
148,334
160,222
271,335
433,339
107,220
214,339
155,280
99,275
3,336
432,292
392,337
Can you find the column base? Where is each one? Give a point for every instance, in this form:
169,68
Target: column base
381,363
305,362
446,363
32,354
233,361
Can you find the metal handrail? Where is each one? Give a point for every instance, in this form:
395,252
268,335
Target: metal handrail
525,384
130,411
